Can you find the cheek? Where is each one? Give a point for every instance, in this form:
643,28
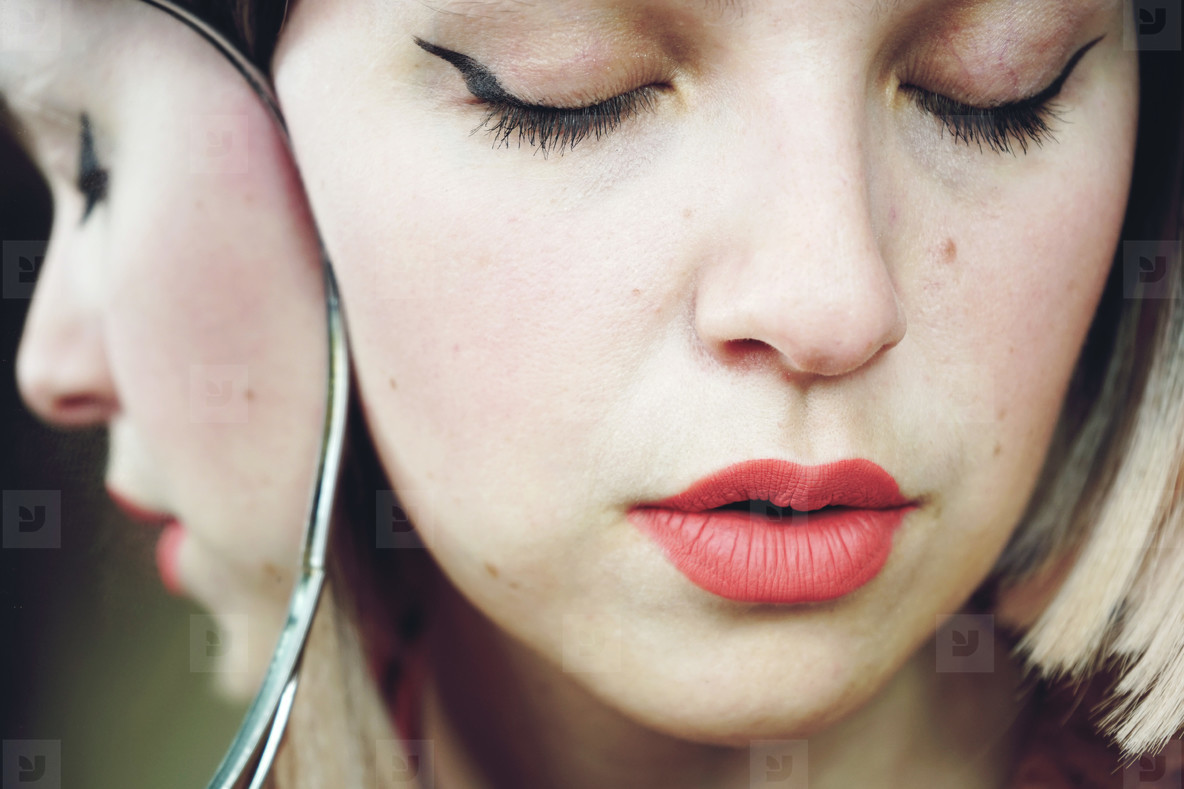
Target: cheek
486,361
1007,292
216,336
1000,288
503,338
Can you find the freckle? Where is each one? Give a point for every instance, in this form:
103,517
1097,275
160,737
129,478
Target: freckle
514,585
637,291
1002,413
393,384
250,393
489,568
687,213
949,252
998,448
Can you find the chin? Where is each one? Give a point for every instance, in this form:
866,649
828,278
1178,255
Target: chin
734,709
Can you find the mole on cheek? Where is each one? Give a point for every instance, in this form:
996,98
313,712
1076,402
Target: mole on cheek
949,252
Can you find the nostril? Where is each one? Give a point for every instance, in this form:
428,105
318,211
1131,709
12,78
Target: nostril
745,353
79,411
57,399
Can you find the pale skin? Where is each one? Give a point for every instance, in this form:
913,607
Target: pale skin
785,256
185,264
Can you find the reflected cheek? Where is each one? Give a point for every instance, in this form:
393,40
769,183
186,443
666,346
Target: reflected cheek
215,331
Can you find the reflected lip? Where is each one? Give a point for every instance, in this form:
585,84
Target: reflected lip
138,512
835,538
168,549
168,544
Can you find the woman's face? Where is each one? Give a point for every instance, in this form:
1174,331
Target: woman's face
179,304
793,238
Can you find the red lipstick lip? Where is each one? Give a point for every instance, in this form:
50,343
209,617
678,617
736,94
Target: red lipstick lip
137,512
848,483
803,556
168,548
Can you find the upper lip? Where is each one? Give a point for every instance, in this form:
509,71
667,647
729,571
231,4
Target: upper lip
856,483
138,512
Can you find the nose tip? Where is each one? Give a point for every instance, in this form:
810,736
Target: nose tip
62,368
836,339
68,388
826,331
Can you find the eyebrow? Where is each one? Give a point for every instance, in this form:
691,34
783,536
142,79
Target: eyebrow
722,9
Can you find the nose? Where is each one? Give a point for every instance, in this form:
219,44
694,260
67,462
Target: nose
801,279
61,367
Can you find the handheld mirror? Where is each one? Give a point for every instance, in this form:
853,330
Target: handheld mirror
171,324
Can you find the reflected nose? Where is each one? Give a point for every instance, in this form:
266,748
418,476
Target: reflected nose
802,279
61,366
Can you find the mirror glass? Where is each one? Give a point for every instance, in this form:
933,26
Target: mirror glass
165,335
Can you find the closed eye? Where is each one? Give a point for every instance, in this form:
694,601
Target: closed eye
542,126
1004,127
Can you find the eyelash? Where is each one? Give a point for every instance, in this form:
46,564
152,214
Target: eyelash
92,177
1000,128
551,128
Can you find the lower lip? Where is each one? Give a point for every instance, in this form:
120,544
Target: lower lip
168,549
805,558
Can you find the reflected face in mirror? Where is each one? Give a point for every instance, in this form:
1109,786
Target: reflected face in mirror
180,303
777,233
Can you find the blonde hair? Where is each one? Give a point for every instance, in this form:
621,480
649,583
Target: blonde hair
1109,499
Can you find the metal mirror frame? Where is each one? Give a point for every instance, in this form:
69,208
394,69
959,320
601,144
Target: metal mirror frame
254,747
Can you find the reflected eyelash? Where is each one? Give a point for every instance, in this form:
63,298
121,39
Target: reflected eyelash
1006,126
543,127
92,177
